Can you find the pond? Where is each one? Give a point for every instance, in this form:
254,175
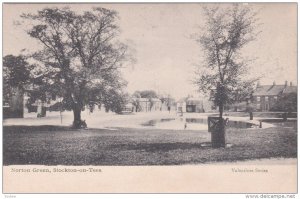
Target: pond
191,123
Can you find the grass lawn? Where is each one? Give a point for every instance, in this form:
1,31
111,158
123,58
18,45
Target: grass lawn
51,145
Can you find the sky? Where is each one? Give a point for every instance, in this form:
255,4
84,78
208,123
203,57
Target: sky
160,36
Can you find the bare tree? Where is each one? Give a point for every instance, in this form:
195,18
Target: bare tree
80,55
227,30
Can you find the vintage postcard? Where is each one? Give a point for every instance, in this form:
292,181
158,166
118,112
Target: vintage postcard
150,98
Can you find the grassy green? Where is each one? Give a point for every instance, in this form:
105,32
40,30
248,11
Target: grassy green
50,145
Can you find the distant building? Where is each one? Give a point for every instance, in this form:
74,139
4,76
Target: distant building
148,104
129,108
181,105
156,104
13,106
190,105
18,104
265,96
194,105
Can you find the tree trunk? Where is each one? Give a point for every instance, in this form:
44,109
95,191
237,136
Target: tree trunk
221,109
235,108
284,116
77,123
251,115
44,111
218,137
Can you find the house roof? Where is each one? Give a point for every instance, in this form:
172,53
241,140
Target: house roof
273,90
269,90
290,89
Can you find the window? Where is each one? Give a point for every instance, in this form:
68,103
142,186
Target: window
267,107
258,106
266,98
258,99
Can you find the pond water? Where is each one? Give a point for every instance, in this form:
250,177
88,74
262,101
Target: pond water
191,123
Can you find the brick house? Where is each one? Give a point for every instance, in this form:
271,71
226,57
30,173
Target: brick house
265,96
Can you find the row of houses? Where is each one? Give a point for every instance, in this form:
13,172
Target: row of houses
19,105
189,104
263,98
144,105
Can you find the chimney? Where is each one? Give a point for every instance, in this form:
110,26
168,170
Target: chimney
286,83
291,83
258,84
274,83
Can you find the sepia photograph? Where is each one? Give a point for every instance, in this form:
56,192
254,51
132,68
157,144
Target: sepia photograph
149,98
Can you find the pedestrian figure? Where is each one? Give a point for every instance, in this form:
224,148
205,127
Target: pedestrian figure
185,125
169,109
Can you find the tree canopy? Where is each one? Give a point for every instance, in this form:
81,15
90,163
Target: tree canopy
223,74
16,71
145,94
81,55
16,74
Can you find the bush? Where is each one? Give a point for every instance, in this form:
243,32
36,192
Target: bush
286,103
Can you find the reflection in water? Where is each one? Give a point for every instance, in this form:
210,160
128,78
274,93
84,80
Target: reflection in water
234,124
185,121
